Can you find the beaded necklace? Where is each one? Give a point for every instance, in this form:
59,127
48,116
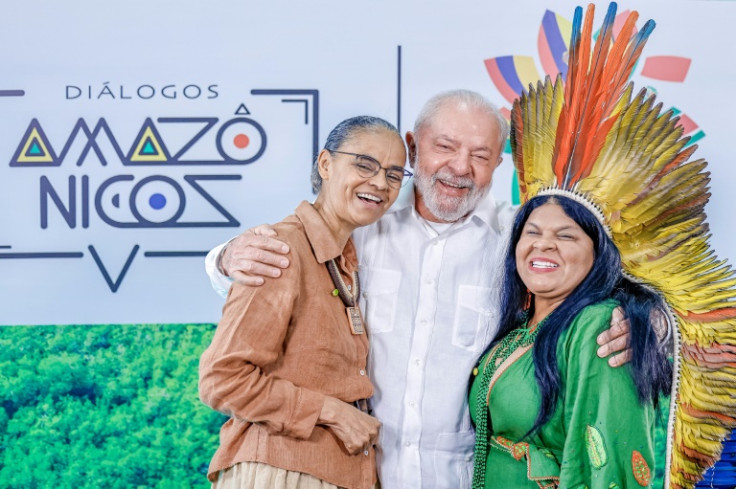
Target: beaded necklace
518,338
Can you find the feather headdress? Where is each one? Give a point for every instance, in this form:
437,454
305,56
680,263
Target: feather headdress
591,138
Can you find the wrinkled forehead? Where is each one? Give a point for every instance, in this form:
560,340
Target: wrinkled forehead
462,122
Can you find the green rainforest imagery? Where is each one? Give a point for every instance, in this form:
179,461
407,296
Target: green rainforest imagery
111,406
107,406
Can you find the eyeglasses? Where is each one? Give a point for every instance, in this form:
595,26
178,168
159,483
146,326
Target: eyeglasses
368,167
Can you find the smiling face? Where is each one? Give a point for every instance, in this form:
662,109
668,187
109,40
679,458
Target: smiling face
454,155
553,256
348,200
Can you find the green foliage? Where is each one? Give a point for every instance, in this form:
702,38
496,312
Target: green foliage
112,406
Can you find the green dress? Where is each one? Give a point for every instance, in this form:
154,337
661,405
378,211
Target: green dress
600,436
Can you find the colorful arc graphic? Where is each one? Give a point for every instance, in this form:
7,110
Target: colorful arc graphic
511,74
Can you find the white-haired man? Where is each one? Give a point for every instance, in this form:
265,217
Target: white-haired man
428,272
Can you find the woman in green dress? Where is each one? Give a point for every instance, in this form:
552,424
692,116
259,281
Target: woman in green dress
548,411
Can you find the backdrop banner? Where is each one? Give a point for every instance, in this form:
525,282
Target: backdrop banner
135,137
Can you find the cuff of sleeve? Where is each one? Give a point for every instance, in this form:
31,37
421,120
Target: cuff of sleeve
542,464
220,282
305,415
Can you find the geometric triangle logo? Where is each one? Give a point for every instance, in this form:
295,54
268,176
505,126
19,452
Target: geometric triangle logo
148,146
34,148
242,110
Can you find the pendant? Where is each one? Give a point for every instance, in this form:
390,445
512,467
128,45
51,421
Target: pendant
355,319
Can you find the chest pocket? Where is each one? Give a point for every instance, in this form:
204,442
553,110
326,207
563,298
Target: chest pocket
379,298
475,317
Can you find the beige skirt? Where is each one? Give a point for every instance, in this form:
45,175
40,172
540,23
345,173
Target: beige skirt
256,475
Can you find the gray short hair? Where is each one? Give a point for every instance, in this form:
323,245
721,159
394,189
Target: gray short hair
345,131
462,97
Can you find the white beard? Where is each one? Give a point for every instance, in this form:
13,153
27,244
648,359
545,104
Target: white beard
449,209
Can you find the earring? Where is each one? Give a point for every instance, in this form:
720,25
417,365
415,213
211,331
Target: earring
528,300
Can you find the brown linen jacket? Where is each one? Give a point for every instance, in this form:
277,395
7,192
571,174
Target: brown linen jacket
278,351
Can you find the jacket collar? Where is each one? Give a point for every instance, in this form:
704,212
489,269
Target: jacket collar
320,238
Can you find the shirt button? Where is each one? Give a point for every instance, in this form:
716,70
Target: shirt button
362,372
417,362
411,403
407,443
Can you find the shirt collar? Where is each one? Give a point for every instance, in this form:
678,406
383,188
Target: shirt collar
484,212
320,238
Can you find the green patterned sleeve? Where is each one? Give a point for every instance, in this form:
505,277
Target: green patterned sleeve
608,432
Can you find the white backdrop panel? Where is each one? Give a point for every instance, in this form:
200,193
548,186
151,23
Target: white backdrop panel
207,114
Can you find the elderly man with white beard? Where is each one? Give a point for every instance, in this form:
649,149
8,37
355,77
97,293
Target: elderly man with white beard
429,277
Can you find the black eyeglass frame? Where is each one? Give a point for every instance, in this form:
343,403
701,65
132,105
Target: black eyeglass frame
406,173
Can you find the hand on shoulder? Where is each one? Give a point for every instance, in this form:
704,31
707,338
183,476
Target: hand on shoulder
253,255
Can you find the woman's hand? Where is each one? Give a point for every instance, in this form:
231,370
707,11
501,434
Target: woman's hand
357,430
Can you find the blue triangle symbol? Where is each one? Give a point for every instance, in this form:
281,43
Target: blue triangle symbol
35,149
148,148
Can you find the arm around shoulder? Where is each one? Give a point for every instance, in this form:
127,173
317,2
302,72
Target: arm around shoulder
248,258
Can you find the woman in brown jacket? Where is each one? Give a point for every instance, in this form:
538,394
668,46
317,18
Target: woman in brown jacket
288,360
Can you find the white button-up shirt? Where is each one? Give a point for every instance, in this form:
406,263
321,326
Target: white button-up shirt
430,302
431,307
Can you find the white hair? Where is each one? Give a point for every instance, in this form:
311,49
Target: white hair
466,98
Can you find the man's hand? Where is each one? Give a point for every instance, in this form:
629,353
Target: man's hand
253,255
615,340
357,430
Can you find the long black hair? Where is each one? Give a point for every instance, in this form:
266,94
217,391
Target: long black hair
651,371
